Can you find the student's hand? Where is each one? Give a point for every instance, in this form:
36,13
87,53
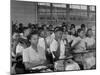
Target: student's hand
48,50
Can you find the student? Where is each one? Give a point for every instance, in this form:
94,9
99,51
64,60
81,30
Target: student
21,46
33,55
79,42
14,42
73,30
41,41
83,27
57,46
89,58
66,36
26,33
90,40
20,29
78,46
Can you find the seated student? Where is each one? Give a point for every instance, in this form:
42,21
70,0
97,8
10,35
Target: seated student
78,46
89,58
26,33
73,30
79,42
20,29
83,27
57,46
14,42
90,40
21,46
33,55
68,36
41,41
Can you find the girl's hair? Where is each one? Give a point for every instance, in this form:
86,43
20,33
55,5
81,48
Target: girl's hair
78,31
72,26
88,31
82,25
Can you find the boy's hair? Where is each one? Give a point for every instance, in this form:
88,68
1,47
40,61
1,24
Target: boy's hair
35,32
82,25
79,30
25,28
89,29
58,29
72,25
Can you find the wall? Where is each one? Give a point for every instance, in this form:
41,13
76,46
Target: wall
23,12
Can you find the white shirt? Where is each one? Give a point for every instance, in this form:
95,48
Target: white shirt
52,35
90,41
19,48
41,43
22,36
30,55
81,44
54,47
68,37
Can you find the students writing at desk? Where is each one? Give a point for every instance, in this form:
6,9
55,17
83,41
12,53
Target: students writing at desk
34,55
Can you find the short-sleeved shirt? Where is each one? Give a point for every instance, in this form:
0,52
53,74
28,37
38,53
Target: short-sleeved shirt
41,43
19,48
68,37
31,55
54,47
81,45
90,41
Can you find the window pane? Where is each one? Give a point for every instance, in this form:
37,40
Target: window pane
92,8
59,5
46,4
83,7
75,6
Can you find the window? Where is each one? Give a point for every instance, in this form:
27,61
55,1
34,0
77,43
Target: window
83,7
59,5
45,4
92,8
75,6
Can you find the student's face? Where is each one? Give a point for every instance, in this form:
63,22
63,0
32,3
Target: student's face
34,39
81,34
50,27
42,34
64,28
45,27
73,31
90,33
58,34
27,32
83,28
47,33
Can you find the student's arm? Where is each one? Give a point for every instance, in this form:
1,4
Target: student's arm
92,47
74,45
14,46
26,59
53,50
33,64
